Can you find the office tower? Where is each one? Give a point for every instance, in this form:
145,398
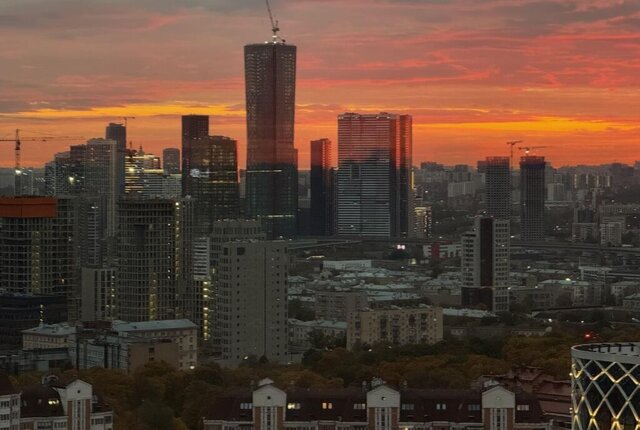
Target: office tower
118,133
98,289
213,181
423,216
171,160
194,129
498,187
322,195
374,175
253,301
137,163
154,255
37,248
485,264
532,189
272,185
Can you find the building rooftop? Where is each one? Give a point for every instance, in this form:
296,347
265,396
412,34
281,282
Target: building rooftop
338,325
61,329
628,352
153,325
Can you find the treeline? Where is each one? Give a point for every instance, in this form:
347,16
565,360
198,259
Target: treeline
159,397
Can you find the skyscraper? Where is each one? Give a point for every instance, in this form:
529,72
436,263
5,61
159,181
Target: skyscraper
252,310
154,254
213,180
485,264
37,247
272,186
194,129
498,187
532,189
322,190
374,175
118,133
171,160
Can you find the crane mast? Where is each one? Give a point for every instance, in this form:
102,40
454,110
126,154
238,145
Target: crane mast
274,23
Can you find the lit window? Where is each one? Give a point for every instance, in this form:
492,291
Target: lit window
327,405
441,406
360,406
295,406
522,407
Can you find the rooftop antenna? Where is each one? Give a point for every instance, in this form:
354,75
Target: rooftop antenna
274,24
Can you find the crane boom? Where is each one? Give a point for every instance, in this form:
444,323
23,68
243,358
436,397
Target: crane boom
274,23
18,143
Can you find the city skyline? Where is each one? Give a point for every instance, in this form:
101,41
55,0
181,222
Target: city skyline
552,73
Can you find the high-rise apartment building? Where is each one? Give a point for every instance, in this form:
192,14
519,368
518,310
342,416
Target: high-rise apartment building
154,255
374,175
213,180
532,188
98,291
322,190
498,187
101,178
37,247
272,185
171,160
252,308
194,129
485,264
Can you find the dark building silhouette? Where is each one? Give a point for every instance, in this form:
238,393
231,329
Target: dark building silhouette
24,311
194,129
532,169
213,180
118,133
374,175
498,187
272,185
322,190
171,160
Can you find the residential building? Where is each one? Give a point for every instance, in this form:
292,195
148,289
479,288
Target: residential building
252,301
374,175
423,222
9,404
47,336
58,404
608,369
498,187
272,160
338,304
171,160
396,326
300,332
611,233
322,188
154,280
485,264
37,247
379,408
532,198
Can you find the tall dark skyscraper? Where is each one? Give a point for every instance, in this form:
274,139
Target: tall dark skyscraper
498,187
118,133
532,169
374,169
272,185
171,160
213,180
322,195
194,129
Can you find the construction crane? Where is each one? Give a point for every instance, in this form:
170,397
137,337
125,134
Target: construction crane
511,143
274,23
528,149
18,144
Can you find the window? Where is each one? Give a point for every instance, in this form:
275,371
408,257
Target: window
327,405
246,406
407,407
473,407
359,406
522,407
295,406
441,406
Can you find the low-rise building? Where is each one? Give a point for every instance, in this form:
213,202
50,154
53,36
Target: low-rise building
397,326
9,404
47,336
632,303
379,408
337,304
300,331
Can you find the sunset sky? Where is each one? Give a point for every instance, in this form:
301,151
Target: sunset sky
473,73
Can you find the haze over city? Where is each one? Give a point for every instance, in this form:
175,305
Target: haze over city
474,74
